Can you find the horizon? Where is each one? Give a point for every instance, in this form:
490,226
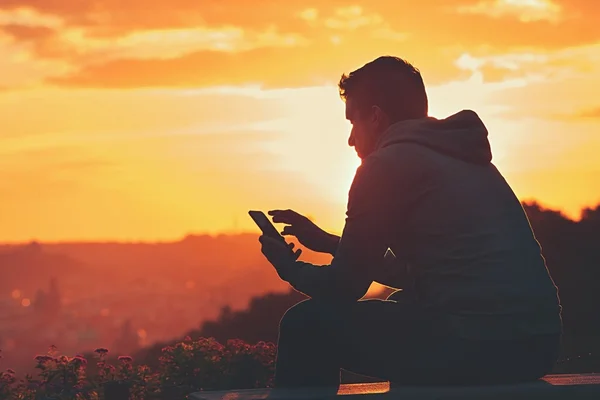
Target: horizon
254,231
126,121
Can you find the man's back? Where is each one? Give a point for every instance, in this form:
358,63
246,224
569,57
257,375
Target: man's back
463,232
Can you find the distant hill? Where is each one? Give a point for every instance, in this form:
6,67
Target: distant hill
31,266
215,260
232,250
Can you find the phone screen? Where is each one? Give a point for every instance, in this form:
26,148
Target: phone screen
268,229
265,225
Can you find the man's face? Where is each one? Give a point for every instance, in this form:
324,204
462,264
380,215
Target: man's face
365,128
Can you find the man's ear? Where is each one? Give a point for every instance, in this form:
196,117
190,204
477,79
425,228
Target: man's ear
378,116
375,114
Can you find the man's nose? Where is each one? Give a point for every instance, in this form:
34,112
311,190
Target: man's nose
351,140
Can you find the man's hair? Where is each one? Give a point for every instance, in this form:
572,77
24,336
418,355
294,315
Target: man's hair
389,82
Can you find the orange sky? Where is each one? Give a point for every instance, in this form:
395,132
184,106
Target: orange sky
138,120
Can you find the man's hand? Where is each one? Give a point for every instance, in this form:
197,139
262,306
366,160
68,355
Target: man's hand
281,255
307,233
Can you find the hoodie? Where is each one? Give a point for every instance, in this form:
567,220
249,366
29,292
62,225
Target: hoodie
430,193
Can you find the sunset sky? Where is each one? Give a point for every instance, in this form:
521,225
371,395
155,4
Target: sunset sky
148,120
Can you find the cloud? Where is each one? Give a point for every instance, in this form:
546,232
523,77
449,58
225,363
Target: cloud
309,14
38,45
555,85
21,29
352,17
110,18
78,44
59,37
20,68
591,113
535,65
27,33
204,68
499,23
178,43
286,67
563,82
204,57
524,10
271,67
502,67
170,43
29,17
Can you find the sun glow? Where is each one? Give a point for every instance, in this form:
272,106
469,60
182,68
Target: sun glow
314,139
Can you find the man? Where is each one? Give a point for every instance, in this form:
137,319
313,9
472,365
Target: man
479,306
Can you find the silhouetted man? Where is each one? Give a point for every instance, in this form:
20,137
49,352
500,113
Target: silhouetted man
479,305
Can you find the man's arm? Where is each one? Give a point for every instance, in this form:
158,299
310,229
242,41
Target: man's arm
332,243
361,247
306,231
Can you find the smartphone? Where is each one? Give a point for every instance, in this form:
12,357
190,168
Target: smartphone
268,229
265,225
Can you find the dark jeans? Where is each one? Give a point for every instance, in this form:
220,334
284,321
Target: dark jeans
398,342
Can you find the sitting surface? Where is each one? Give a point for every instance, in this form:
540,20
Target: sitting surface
567,387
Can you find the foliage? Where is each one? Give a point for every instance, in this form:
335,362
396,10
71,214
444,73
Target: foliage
259,322
185,367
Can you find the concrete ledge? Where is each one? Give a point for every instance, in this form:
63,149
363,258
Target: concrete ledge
564,387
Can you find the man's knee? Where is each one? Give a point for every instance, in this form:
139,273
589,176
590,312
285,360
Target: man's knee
302,315
313,313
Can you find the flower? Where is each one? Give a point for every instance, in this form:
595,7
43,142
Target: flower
42,359
201,364
78,360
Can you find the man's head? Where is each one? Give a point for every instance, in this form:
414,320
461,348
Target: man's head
379,94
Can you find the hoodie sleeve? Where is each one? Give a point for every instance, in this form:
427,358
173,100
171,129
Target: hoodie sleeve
362,245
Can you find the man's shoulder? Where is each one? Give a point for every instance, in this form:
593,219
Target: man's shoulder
402,152
402,158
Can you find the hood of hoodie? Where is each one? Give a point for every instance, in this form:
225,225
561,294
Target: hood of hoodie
462,135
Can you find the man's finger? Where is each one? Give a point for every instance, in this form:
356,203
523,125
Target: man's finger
291,245
284,216
289,230
298,253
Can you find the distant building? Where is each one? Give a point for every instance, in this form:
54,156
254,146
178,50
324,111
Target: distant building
128,340
48,303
